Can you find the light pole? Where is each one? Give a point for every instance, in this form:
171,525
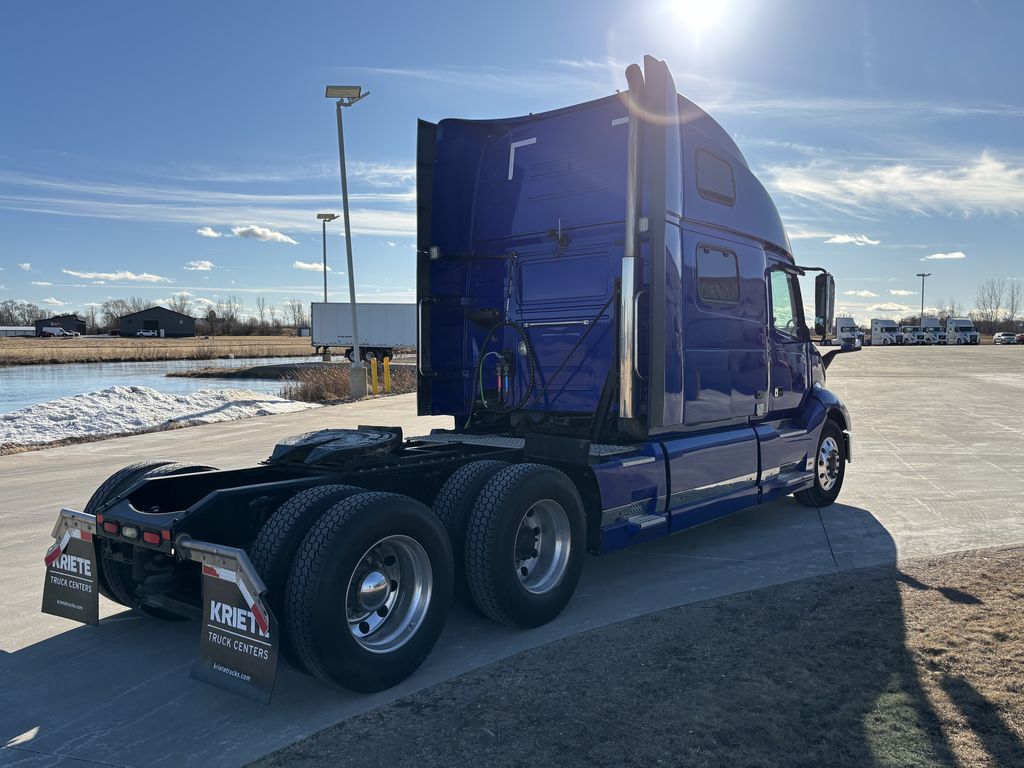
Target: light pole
346,96
923,275
324,218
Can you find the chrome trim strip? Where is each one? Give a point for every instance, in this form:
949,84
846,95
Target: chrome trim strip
627,316
544,323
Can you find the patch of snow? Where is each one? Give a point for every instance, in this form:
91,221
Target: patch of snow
122,410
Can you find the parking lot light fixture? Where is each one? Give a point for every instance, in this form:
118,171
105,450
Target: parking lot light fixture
923,275
346,96
324,218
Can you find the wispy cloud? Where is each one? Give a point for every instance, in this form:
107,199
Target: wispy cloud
41,282
53,302
979,185
25,266
310,266
199,266
955,255
122,276
208,232
384,207
267,235
862,294
901,292
852,240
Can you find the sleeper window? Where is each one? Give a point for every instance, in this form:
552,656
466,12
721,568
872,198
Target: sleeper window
718,278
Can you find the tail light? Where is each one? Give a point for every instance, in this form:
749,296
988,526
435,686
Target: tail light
151,537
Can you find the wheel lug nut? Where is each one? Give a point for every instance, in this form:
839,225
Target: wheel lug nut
389,560
382,611
394,585
536,531
364,627
525,571
534,553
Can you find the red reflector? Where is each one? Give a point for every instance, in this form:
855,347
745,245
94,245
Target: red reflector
166,534
151,537
110,527
99,519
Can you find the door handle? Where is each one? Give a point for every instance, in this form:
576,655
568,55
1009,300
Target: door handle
777,392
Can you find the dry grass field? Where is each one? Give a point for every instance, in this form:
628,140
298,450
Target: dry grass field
33,351
916,666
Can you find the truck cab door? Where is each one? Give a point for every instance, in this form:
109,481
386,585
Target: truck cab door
788,379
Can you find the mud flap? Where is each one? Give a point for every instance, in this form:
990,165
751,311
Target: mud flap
71,589
238,647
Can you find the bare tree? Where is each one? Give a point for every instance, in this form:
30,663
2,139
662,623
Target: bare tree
20,313
261,311
989,302
182,303
92,319
296,311
1014,297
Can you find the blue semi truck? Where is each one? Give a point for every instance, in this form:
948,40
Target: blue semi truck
608,306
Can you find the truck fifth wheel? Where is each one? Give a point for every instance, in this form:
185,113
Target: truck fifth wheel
608,306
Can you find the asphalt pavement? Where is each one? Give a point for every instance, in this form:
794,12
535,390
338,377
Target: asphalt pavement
938,461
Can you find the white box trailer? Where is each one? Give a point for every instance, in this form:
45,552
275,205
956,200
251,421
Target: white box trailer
382,328
884,332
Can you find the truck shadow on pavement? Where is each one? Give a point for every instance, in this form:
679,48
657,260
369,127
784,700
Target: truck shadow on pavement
806,672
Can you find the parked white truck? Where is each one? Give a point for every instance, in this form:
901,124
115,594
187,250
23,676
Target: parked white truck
961,330
933,333
912,334
884,333
382,328
846,329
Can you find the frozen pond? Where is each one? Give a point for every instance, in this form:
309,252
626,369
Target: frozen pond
24,385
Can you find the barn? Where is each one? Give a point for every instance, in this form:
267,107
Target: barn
164,321
70,322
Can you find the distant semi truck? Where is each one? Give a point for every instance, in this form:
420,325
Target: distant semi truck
846,330
382,328
960,330
884,333
912,334
933,333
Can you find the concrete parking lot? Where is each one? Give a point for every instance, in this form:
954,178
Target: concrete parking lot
938,463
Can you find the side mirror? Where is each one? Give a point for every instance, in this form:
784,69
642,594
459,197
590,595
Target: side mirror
824,303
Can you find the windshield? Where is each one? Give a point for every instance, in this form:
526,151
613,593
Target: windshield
887,330
932,329
848,329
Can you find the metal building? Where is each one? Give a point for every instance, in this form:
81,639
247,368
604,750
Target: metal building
160,319
71,322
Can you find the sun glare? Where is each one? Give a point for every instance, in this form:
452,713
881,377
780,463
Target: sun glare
699,15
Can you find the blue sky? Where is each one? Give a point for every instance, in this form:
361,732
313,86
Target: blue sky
149,149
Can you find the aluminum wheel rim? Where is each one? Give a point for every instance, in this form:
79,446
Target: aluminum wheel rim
542,547
828,463
388,594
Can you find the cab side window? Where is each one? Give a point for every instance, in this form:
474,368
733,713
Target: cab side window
785,317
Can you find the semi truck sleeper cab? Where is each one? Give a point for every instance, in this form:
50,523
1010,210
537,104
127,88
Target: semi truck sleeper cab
609,308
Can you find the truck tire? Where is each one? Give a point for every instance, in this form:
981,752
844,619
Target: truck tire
453,504
278,540
369,591
524,545
114,578
829,468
